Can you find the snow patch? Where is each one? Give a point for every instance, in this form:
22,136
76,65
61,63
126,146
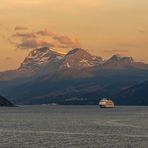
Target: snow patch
67,64
87,62
84,61
59,57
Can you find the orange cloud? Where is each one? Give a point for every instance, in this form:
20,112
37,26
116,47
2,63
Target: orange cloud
45,38
17,28
25,35
45,32
67,40
33,43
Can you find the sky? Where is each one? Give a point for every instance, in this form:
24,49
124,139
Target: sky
102,27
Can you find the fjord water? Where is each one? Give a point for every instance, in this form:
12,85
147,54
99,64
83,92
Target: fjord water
73,127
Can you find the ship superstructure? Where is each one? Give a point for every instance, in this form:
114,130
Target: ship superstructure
106,103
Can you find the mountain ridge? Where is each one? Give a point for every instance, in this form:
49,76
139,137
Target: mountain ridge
78,77
80,58
46,59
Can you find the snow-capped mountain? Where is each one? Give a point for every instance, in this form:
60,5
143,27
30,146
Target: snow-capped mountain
46,61
40,57
120,62
43,57
119,58
47,76
80,58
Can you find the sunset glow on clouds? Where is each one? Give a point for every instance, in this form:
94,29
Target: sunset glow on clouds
102,27
43,38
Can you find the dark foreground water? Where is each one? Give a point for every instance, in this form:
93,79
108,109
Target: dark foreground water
73,127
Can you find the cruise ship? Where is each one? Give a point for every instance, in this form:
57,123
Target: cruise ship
106,103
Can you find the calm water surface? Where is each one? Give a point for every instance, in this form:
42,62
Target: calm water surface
73,127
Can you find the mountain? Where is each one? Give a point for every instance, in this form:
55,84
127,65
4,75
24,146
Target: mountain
43,61
137,95
39,58
44,57
5,102
119,58
37,62
47,76
121,62
79,58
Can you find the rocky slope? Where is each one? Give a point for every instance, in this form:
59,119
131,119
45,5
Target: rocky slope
5,102
79,58
39,58
137,95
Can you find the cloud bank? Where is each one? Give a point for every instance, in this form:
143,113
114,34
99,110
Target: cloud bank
41,38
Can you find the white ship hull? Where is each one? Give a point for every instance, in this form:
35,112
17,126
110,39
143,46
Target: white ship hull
107,106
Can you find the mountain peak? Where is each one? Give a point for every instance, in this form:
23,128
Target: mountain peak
116,57
38,51
80,58
39,57
77,50
120,58
43,49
